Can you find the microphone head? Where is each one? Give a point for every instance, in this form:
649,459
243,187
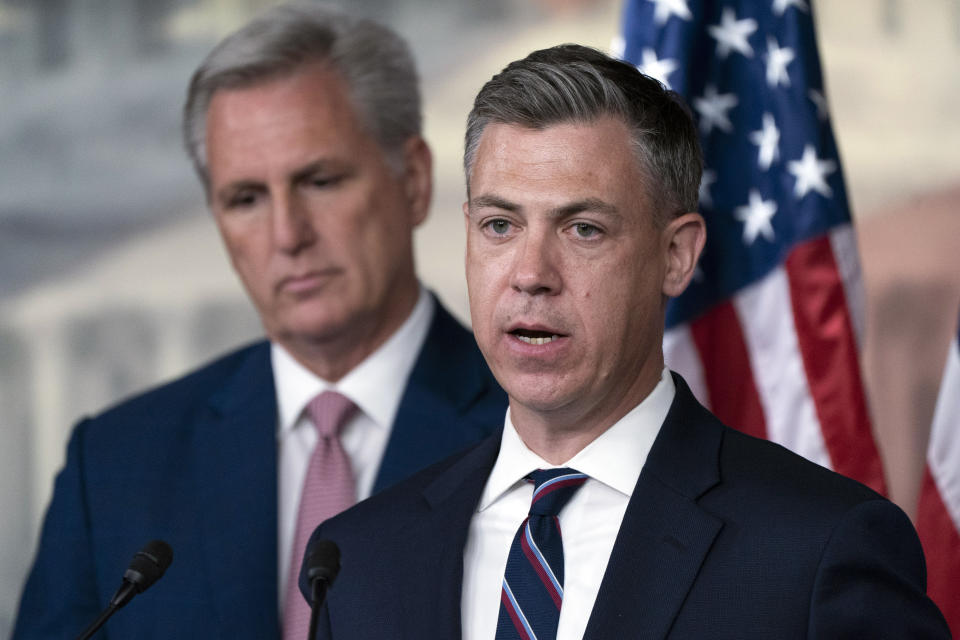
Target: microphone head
148,564
322,561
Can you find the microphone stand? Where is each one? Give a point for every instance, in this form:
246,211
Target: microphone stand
147,566
123,595
321,565
99,622
318,596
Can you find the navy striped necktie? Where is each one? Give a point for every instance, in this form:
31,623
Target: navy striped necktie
532,590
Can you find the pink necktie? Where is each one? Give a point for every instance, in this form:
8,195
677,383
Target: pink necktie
328,489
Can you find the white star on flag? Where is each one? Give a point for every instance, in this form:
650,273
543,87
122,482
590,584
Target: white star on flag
780,6
777,61
708,177
713,108
667,8
768,139
731,34
755,217
820,101
811,173
657,68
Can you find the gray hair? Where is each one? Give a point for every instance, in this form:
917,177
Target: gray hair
375,62
572,83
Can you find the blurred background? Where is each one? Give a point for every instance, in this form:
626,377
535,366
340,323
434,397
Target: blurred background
112,276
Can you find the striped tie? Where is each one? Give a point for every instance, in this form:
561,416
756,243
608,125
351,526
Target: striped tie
533,581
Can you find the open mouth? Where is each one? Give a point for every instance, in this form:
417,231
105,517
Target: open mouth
531,336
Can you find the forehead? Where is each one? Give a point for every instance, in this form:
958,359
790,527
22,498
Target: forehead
312,87
296,118
559,164
565,160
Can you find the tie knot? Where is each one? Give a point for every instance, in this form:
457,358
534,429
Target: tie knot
329,412
553,488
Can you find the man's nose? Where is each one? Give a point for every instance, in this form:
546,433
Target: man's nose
536,267
293,225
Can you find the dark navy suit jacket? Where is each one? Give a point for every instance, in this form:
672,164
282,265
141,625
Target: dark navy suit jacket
725,536
194,463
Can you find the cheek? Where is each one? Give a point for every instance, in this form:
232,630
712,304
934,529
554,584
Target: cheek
473,271
484,282
378,233
242,232
606,306
242,254
476,298
482,293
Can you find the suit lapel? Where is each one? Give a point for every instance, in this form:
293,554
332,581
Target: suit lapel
236,469
436,397
431,608
665,535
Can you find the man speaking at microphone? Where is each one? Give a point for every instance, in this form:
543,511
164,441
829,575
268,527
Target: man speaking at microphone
612,505
305,129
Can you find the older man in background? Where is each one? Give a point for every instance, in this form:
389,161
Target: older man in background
305,129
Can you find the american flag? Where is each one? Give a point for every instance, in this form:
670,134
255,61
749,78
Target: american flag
767,333
938,515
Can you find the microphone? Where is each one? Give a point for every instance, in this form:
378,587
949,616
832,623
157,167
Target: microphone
322,564
147,566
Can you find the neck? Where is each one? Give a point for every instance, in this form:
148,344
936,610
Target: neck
559,434
553,446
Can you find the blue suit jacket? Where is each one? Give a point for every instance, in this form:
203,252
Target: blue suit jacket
725,536
194,463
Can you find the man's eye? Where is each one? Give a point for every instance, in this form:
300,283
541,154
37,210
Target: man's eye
499,227
242,200
325,181
585,230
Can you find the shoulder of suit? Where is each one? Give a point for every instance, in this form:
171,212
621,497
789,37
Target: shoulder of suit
752,468
779,473
190,390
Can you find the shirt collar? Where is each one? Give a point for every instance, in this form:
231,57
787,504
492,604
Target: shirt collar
615,458
375,385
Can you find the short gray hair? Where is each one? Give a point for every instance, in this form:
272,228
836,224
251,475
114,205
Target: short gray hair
572,83
375,62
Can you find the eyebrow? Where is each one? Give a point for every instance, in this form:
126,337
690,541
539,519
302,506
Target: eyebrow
493,202
595,205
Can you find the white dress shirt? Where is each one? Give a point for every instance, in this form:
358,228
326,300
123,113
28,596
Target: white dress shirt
589,522
375,385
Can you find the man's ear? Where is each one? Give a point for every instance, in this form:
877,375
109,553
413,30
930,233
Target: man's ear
683,240
417,178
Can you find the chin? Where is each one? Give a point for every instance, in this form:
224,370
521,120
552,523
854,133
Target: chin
313,328
542,394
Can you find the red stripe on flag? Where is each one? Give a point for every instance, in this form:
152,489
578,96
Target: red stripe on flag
734,399
828,348
941,545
